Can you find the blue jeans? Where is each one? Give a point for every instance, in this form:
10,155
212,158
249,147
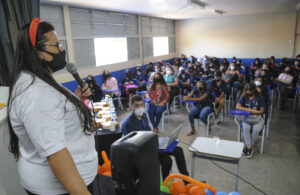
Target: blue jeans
155,114
199,113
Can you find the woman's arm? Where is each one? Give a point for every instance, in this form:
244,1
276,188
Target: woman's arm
189,96
260,111
64,169
199,98
187,82
240,107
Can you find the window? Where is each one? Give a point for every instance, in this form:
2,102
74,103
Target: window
110,50
160,46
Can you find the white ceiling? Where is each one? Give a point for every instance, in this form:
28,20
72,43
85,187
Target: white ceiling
182,9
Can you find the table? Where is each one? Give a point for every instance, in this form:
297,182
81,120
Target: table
224,151
104,139
239,113
110,90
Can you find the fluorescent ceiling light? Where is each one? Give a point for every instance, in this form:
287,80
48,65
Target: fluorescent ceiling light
198,3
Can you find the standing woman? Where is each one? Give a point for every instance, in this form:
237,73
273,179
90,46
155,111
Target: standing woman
251,102
173,82
159,93
50,128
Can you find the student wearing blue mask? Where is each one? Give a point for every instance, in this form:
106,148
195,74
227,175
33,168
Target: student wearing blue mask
138,121
251,102
202,106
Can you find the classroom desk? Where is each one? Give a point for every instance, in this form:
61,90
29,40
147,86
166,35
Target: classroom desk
224,151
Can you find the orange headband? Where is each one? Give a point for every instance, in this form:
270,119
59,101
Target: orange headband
32,30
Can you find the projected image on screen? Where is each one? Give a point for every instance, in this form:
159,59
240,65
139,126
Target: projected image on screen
110,50
160,46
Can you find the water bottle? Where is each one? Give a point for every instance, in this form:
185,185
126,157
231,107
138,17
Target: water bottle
112,124
110,102
106,97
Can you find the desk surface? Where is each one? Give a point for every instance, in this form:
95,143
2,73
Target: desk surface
225,148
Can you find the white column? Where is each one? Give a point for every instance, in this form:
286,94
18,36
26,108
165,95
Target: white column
68,32
141,39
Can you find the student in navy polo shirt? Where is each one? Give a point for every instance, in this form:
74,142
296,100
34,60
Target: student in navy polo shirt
202,106
219,88
185,82
141,78
251,102
138,121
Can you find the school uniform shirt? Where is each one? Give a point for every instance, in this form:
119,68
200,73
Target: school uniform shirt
126,79
205,102
132,123
185,78
218,89
45,123
140,77
255,104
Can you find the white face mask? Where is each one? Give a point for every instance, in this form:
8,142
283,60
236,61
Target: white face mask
169,72
139,111
156,70
232,67
257,83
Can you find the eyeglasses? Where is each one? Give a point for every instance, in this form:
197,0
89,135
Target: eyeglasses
58,45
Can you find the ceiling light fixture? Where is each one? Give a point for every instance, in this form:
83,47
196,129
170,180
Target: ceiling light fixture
198,3
220,12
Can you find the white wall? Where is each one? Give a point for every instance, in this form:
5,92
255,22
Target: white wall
241,36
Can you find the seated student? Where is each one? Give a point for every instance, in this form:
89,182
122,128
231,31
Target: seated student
210,72
173,82
159,93
137,121
202,106
219,87
95,89
140,77
199,71
235,81
176,69
127,82
252,102
287,85
157,69
186,86
254,66
261,88
149,69
225,62
109,83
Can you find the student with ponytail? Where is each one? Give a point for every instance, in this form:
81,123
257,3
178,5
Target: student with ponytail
50,128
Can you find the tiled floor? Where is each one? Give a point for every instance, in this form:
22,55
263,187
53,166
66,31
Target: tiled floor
276,172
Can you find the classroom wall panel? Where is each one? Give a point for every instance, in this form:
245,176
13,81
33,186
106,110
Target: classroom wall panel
240,36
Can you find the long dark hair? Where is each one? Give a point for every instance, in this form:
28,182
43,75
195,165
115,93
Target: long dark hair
161,81
106,76
95,85
27,60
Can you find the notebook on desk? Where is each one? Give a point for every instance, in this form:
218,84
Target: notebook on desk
165,142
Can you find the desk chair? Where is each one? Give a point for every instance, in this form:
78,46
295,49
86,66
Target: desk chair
262,136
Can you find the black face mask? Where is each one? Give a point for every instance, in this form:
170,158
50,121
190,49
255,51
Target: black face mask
58,62
250,95
157,80
183,72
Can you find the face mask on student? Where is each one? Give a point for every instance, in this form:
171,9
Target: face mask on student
156,69
257,83
232,68
139,111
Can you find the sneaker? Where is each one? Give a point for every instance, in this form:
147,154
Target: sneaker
245,150
249,153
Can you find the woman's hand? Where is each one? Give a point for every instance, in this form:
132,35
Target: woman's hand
84,92
161,104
